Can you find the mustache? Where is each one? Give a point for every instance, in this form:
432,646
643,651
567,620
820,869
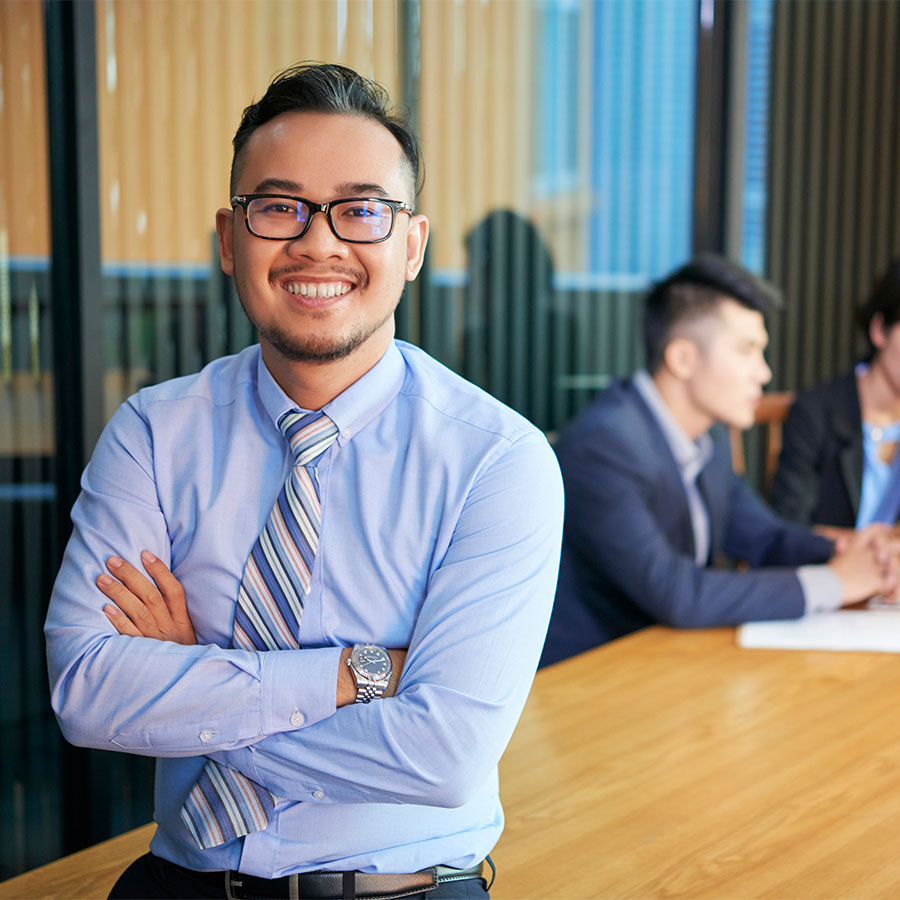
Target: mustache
357,276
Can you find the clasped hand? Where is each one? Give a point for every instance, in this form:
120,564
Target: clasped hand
868,564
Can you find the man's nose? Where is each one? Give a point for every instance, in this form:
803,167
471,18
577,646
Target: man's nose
319,241
765,372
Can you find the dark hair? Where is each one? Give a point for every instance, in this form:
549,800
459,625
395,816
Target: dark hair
692,292
320,87
884,301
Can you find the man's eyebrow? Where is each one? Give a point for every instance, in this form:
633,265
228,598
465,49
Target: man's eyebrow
268,185
361,189
346,189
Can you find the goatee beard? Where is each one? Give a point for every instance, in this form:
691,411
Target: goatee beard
299,348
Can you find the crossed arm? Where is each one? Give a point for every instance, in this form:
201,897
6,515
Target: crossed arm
473,651
143,688
156,608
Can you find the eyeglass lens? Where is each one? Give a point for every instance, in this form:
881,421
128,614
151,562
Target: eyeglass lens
352,220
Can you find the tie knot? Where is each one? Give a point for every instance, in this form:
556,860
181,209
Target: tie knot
309,435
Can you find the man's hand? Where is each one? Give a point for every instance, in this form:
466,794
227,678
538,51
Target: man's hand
840,537
869,565
143,608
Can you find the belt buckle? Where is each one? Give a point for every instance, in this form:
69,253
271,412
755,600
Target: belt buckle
293,882
229,893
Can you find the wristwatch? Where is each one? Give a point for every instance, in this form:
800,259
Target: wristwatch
372,667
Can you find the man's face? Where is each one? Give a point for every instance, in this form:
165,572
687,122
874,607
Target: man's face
726,379
317,298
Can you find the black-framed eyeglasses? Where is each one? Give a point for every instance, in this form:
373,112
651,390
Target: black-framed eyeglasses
356,220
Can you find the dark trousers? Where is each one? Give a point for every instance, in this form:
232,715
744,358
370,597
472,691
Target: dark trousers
154,878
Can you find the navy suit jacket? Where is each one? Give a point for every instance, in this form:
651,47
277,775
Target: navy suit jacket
819,477
628,545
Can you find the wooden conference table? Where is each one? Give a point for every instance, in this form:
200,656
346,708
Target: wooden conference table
674,765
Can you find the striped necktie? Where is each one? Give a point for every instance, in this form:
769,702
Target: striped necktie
225,804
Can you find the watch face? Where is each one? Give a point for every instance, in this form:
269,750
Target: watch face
373,662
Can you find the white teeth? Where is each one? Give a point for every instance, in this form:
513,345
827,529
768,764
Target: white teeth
318,290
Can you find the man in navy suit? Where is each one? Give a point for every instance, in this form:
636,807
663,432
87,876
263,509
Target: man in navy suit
652,504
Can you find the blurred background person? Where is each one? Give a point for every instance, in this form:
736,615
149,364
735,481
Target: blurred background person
839,465
653,507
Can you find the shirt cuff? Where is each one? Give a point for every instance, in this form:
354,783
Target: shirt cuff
822,589
299,687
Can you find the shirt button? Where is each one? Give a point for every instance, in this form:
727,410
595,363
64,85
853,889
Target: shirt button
318,794
297,718
206,736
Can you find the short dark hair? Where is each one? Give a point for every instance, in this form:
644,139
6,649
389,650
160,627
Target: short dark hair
325,87
692,292
884,301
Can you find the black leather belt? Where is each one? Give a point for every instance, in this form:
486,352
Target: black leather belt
324,885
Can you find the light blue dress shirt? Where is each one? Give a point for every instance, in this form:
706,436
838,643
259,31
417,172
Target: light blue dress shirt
880,494
442,519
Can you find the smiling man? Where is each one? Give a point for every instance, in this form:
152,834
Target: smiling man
329,560
652,504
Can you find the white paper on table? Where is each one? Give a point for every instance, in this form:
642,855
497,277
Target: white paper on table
847,629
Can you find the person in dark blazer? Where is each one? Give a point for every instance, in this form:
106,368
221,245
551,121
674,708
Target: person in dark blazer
652,504
839,464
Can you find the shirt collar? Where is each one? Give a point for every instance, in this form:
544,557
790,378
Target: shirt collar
690,456
352,409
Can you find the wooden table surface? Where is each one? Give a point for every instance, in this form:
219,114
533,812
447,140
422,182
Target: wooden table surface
674,765
678,765
86,875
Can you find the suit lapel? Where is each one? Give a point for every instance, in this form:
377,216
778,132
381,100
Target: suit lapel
847,420
851,464
658,455
714,489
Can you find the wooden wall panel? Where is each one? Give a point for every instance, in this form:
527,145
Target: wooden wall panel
476,112
23,130
478,89
173,80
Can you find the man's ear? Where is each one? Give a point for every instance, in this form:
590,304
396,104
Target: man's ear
225,231
416,239
877,331
680,357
